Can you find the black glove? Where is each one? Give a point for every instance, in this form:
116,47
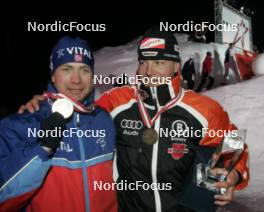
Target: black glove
55,122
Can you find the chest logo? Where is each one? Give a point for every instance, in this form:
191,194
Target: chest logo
177,151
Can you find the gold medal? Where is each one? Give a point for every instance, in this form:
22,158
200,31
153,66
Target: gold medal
150,136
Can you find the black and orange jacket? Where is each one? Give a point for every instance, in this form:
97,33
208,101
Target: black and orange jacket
170,158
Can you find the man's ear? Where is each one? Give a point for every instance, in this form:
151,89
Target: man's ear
52,79
177,67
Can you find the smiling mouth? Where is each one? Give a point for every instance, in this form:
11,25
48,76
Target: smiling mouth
75,90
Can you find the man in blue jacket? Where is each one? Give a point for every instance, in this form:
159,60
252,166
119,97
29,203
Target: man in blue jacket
53,160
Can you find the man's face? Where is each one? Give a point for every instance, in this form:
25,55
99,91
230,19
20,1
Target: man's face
74,80
157,69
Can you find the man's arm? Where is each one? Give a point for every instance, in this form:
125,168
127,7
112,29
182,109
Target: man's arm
23,167
24,160
109,100
105,102
239,177
115,98
223,125
32,105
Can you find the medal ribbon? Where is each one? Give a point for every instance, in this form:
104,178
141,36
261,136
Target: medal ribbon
148,122
78,107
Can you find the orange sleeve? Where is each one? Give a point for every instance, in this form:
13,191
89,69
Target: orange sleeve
105,102
218,121
243,168
115,97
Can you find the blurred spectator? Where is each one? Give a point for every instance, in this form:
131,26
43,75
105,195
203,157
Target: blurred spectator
230,64
207,72
188,73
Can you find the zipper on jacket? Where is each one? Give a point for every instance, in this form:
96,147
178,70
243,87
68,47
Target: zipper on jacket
155,98
84,169
78,120
154,160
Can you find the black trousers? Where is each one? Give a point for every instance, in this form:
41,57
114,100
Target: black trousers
203,81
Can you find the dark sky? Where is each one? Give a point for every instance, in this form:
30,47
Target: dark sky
26,54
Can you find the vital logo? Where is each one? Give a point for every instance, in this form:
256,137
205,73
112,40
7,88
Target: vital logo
74,51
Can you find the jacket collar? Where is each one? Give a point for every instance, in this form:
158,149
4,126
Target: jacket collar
160,95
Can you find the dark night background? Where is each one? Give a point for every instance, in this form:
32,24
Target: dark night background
25,55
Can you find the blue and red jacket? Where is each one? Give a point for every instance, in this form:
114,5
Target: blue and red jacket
71,179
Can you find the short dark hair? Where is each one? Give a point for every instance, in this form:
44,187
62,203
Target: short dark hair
208,53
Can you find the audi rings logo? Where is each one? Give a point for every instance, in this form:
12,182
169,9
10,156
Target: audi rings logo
131,124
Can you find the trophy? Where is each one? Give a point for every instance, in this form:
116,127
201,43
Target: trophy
232,143
199,190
